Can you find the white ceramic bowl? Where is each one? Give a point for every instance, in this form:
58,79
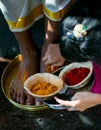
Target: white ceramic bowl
71,66
43,77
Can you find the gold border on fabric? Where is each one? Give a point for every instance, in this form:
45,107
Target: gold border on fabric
57,16
54,15
27,20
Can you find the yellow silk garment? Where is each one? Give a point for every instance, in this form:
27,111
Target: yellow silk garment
22,14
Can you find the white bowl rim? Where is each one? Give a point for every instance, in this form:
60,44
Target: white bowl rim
40,96
69,67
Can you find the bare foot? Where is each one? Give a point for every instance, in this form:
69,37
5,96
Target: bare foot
28,66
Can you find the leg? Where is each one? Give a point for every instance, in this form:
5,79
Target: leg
51,50
28,66
51,44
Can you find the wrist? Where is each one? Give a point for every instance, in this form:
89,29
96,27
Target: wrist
52,38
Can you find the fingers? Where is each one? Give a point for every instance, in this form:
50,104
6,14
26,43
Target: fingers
68,104
30,100
62,102
46,60
56,65
54,62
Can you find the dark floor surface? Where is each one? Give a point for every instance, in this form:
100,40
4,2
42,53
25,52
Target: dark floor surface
13,118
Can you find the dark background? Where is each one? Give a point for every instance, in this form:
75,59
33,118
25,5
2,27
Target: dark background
13,118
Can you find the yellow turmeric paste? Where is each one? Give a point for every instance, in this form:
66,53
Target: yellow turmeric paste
43,88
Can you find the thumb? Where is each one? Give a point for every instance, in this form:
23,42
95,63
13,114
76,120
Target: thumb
63,102
55,66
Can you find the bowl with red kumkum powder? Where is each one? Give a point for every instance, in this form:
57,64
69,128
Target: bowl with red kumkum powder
77,75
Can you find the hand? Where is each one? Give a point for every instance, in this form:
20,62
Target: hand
53,56
80,101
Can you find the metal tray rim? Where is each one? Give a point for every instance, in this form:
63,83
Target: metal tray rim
3,78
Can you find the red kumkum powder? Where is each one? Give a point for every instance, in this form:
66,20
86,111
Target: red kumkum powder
76,75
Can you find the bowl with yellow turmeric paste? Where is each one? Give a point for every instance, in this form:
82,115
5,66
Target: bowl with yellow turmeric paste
43,85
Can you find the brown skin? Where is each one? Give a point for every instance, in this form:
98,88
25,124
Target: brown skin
47,54
80,102
29,64
31,60
51,51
